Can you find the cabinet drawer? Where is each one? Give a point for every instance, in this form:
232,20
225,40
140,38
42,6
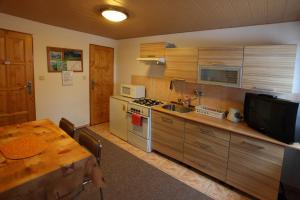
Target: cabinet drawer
252,182
168,123
256,148
167,139
167,150
254,166
213,145
198,130
205,161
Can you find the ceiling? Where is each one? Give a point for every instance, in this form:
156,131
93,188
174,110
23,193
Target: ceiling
154,17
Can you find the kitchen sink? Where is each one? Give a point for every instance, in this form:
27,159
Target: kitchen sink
177,108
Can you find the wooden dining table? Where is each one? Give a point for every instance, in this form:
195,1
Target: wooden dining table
57,171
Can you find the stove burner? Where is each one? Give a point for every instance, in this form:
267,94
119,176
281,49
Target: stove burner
147,102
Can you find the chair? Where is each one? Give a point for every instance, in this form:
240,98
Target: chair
67,126
92,144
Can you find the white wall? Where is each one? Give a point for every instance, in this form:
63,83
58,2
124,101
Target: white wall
52,99
282,33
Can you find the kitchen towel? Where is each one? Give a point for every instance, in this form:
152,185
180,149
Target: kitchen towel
136,119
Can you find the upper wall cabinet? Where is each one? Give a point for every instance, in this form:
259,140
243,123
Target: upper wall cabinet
269,68
181,63
221,56
154,52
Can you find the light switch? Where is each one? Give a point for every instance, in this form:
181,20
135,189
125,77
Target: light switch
41,78
84,77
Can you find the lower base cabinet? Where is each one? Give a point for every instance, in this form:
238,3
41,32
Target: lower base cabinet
167,135
206,149
254,166
251,165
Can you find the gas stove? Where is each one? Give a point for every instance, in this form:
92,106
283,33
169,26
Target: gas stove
140,136
147,102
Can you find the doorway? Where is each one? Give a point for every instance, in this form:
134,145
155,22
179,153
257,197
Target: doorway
17,102
101,82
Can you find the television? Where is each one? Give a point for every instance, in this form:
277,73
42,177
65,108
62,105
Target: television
277,118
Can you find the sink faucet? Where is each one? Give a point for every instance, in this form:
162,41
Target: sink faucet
187,100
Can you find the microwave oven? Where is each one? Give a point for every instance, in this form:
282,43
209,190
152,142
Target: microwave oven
277,118
132,91
220,75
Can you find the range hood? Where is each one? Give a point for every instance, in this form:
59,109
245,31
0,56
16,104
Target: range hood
158,61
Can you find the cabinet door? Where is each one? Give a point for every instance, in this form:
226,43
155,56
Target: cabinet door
182,63
118,117
167,135
255,166
153,50
269,68
222,56
206,149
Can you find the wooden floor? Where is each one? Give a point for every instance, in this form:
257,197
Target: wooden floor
197,180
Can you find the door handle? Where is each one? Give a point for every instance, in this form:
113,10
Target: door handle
6,62
93,83
28,86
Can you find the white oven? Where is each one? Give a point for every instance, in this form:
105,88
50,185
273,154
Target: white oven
132,91
139,136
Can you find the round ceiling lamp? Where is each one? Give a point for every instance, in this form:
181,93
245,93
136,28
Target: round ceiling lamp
114,15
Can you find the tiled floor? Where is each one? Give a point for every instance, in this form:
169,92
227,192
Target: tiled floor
198,181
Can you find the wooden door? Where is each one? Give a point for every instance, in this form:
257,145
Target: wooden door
17,102
101,82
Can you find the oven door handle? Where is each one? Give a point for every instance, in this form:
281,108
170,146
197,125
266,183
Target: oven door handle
130,113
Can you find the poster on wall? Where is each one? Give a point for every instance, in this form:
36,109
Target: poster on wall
67,78
61,59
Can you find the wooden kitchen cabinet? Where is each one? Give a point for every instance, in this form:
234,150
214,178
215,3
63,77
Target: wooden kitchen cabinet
168,135
182,63
221,56
254,166
206,148
269,68
154,50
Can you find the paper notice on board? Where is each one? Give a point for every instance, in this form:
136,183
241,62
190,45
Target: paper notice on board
74,65
67,77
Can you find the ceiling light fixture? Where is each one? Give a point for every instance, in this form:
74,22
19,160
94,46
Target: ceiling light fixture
114,15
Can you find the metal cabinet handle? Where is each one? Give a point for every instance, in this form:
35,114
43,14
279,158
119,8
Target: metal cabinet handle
170,121
203,146
206,132
252,145
263,89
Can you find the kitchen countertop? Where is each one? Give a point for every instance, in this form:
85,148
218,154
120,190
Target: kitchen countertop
239,128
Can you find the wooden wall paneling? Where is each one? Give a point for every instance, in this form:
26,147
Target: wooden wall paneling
146,81
193,15
221,56
182,63
269,68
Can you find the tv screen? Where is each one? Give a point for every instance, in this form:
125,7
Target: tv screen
274,117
